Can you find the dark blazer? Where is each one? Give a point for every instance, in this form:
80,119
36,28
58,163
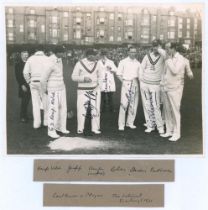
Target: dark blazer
19,67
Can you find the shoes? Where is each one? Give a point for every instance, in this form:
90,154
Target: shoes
53,135
174,138
161,131
96,132
166,135
36,126
80,132
131,126
65,131
149,130
121,128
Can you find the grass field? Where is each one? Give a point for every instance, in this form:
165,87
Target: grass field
23,139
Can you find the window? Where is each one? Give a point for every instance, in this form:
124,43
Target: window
195,23
102,33
180,20
129,22
154,18
31,35
32,23
119,28
102,20
111,16
171,22
145,36
10,36
112,28
10,23
153,38
129,35
188,26
10,10
88,15
188,34
171,35
111,38
78,34
180,34
54,33
32,11
119,16
188,20
54,19
161,36
145,21
119,39
21,28
43,28
78,20
66,14
78,9
65,37
145,11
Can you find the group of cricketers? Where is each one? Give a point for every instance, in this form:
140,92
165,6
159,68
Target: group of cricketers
159,78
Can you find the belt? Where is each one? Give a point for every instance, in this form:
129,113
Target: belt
36,81
86,88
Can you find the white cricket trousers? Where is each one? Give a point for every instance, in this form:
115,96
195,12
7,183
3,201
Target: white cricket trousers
171,107
129,100
39,101
57,110
151,104
91,98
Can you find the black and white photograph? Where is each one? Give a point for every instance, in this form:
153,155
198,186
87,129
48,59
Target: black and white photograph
111,80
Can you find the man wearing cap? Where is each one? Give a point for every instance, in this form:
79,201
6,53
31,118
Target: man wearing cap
24,89
172,84
107,83
86,73
128,74
33,70
52,83
150,77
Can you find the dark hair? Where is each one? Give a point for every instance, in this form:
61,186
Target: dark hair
131,47
90,52
58,49
103,52
174,45
156,43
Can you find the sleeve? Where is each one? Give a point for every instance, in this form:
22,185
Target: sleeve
162,52
120,69
27,71
113,66
144,62
188,68
18,72
175,68
140,72
76,77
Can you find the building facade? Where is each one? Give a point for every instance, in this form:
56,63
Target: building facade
100,25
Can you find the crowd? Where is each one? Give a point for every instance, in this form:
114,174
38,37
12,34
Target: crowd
157,72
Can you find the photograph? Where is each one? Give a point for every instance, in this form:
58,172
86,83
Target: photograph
118,79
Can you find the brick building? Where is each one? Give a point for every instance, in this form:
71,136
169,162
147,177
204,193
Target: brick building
100,25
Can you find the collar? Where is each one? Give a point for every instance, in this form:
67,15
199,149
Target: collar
176,55
132,60
39,53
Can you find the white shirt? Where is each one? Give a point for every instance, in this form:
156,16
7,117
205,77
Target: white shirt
35,66
90,70
53,75
129,69
153,67
107,69
174,72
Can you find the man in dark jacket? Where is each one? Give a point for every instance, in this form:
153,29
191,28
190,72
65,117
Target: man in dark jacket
24,90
